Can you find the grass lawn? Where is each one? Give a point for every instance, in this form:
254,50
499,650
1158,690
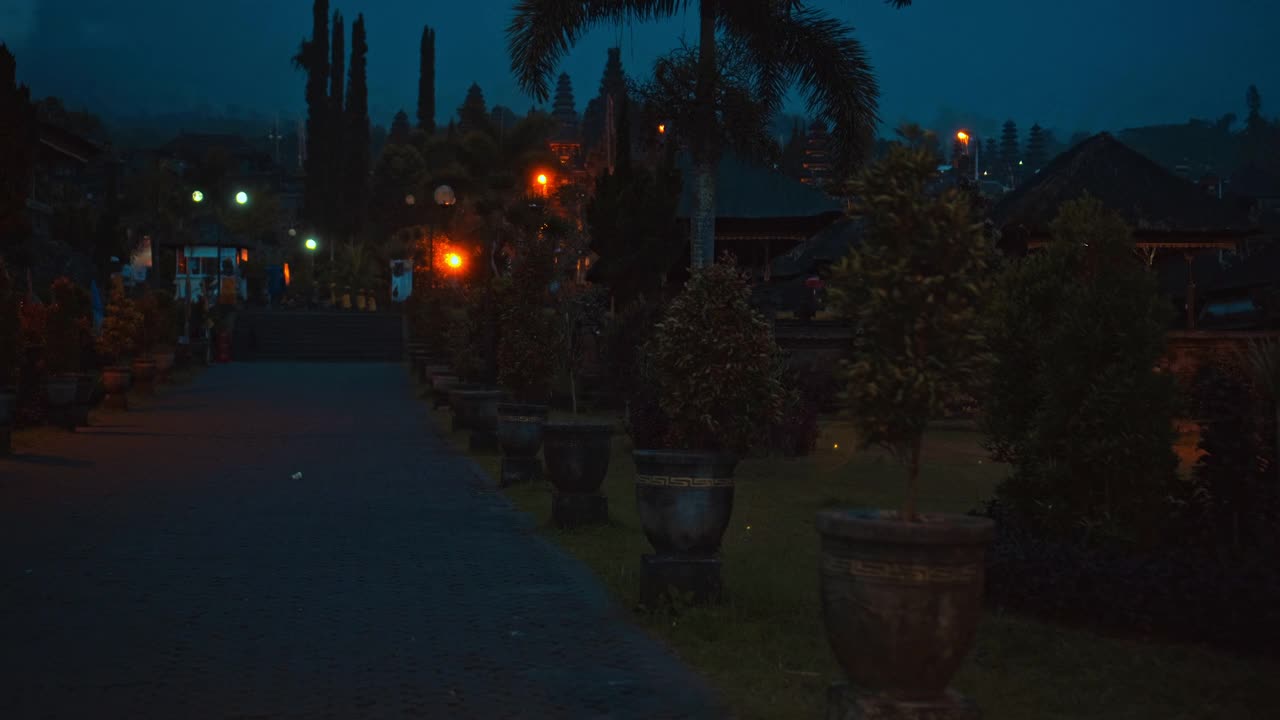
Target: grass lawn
766,650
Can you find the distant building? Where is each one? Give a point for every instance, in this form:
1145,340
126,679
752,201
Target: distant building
817,156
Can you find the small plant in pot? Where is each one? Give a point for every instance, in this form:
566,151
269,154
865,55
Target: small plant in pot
902,590
66,329
713,395
526,360
9,353
475,399
117,342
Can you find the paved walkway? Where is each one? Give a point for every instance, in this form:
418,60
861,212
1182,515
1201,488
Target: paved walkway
166,564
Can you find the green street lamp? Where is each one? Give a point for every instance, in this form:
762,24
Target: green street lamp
197,196
311,244
242,197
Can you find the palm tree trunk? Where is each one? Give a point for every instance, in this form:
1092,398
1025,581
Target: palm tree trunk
703,226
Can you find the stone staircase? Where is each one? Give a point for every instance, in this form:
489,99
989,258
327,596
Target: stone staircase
318,336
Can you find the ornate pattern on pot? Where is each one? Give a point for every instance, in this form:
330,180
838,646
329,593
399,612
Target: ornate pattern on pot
685,500
902,601
520,429
577,455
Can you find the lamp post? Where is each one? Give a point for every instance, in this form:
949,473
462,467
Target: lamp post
241,199
964,138
310,244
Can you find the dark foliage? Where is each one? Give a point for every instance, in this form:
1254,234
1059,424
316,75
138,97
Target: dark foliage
10,329
1231,504
356,177
1180,593
796,433
625,334
68,327
18,131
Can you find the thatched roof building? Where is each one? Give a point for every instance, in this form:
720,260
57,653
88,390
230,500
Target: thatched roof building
1165,211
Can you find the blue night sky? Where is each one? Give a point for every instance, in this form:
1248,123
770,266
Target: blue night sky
1090,64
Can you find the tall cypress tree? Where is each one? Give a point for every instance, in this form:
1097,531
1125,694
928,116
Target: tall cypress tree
473,115
400,129
314,59
356,185
336,132
427,82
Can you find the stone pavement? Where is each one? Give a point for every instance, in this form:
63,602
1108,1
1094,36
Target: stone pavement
166,564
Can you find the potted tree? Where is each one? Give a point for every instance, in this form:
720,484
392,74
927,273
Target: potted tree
9,351
478,403
117,342
902,589
577,451
68,323
144,365
162,331
198,332
711,361
526,360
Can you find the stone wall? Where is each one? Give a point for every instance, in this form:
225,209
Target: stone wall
1188,350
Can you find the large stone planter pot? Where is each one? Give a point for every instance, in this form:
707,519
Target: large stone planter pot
481,412
144,375
61,391
460,418
86,386
8,405
441,384
164,361
115,382
901,602
520,435
685,500
577,458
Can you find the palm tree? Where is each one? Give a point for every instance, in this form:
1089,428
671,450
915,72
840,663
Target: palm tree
785,43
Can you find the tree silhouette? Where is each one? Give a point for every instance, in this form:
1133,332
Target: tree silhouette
1008,149
313,57
782,42
18,132
337,129
356,187
400,129
427,82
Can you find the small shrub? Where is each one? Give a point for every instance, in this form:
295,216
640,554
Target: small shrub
528,329
714,359
33,366
796,434
121,327
625,335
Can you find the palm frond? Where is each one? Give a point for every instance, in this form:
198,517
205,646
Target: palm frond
541,32
833,71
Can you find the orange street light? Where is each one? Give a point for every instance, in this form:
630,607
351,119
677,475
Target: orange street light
453,260
963,137
662,129
542,179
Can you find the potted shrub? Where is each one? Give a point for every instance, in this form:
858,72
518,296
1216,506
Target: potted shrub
143,366
198,332
576,451
711,360
902,589
117,342
475,402
162,332
526,359
67,326
9,351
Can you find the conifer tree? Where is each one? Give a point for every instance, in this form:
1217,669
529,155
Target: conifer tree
314,59
357,121
427,82
473,115
1035,149
1008,147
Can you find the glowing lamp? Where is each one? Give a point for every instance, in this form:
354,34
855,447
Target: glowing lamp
662,129
242,197
287,277
963,137
311,243
453,260
197,196
542,179
244,255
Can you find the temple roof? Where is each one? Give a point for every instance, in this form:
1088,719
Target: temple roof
1150,198
829,245
747,190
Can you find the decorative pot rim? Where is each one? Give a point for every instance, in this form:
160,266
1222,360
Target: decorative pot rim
580,426
685,457
883,526
512,408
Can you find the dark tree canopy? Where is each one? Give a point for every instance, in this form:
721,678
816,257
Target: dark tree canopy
357,119
400,129
474,114
18,132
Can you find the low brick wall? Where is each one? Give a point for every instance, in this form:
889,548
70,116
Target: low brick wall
1189,350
